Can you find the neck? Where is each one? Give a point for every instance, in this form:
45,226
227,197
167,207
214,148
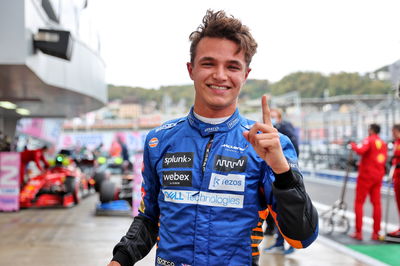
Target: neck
214,113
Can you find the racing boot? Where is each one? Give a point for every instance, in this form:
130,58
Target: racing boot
356,236
394,233
375,236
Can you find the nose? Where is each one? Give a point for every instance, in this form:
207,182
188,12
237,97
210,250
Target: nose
220,73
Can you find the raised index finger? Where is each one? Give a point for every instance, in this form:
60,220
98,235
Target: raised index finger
265,111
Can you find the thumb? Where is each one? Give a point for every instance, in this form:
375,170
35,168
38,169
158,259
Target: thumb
246,135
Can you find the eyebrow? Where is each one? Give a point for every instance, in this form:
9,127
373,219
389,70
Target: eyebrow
209,58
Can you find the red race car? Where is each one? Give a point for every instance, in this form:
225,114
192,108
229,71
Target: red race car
62,185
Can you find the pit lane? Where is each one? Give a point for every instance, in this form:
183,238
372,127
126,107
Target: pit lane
75,236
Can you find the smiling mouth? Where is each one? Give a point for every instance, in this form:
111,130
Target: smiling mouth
218,87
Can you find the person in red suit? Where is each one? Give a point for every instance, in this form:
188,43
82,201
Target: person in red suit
371,170
36,156
396,175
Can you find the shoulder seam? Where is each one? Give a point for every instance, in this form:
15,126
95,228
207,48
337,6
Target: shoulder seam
169,124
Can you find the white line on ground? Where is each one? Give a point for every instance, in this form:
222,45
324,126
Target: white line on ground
357,255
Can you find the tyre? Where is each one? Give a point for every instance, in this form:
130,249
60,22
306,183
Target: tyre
99,177
342,224
72,186
107,191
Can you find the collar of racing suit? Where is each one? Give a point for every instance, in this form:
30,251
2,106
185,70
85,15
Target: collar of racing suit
206,129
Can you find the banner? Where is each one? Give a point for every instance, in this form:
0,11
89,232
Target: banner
9,181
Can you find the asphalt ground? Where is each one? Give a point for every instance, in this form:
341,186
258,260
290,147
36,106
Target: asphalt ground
76,236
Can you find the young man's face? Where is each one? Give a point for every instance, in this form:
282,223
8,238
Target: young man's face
218,73
396,134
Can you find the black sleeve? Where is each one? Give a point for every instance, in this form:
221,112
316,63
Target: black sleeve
137,242
292,200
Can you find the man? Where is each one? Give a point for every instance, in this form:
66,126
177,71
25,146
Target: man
207,175
373,152
36,156
284,127
396,175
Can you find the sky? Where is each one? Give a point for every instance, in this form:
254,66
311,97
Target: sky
145,43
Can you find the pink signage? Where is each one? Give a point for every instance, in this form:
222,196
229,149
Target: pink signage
137,183
9,181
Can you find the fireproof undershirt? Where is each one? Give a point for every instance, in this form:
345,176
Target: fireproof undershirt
213,121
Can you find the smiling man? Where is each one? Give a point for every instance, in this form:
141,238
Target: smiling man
206,176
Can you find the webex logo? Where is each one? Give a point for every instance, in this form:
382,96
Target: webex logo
177,178
178,160
228,164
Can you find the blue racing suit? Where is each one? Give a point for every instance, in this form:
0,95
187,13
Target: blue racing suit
203,186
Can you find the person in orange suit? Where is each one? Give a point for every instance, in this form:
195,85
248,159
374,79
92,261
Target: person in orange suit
36,156
396,175
373,152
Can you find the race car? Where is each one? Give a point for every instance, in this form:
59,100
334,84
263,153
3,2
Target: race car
62,185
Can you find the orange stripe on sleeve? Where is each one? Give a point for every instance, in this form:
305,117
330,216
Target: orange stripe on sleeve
292,242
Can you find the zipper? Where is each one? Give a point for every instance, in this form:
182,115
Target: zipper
207,153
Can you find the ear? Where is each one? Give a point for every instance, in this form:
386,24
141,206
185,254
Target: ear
190,69
247,73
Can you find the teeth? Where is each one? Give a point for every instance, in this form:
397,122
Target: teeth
218,87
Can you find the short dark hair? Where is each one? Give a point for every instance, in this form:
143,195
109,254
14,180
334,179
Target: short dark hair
396,127
375,127
219,25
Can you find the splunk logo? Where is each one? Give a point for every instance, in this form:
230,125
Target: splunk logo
177,178
228,164
178,160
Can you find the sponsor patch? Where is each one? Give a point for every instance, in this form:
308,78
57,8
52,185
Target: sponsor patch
164,262
167,126
229,164
231,182
177,178
153,142
381,158
178,160
232,123
211,129
378,144
233,148
204,198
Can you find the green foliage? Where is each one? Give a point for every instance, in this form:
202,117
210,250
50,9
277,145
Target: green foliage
309,84
177,93
314,84
254,89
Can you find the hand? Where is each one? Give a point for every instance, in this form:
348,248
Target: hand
266,143
114,263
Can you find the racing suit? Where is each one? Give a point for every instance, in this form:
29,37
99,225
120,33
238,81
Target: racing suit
373,152
203,186
396,175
